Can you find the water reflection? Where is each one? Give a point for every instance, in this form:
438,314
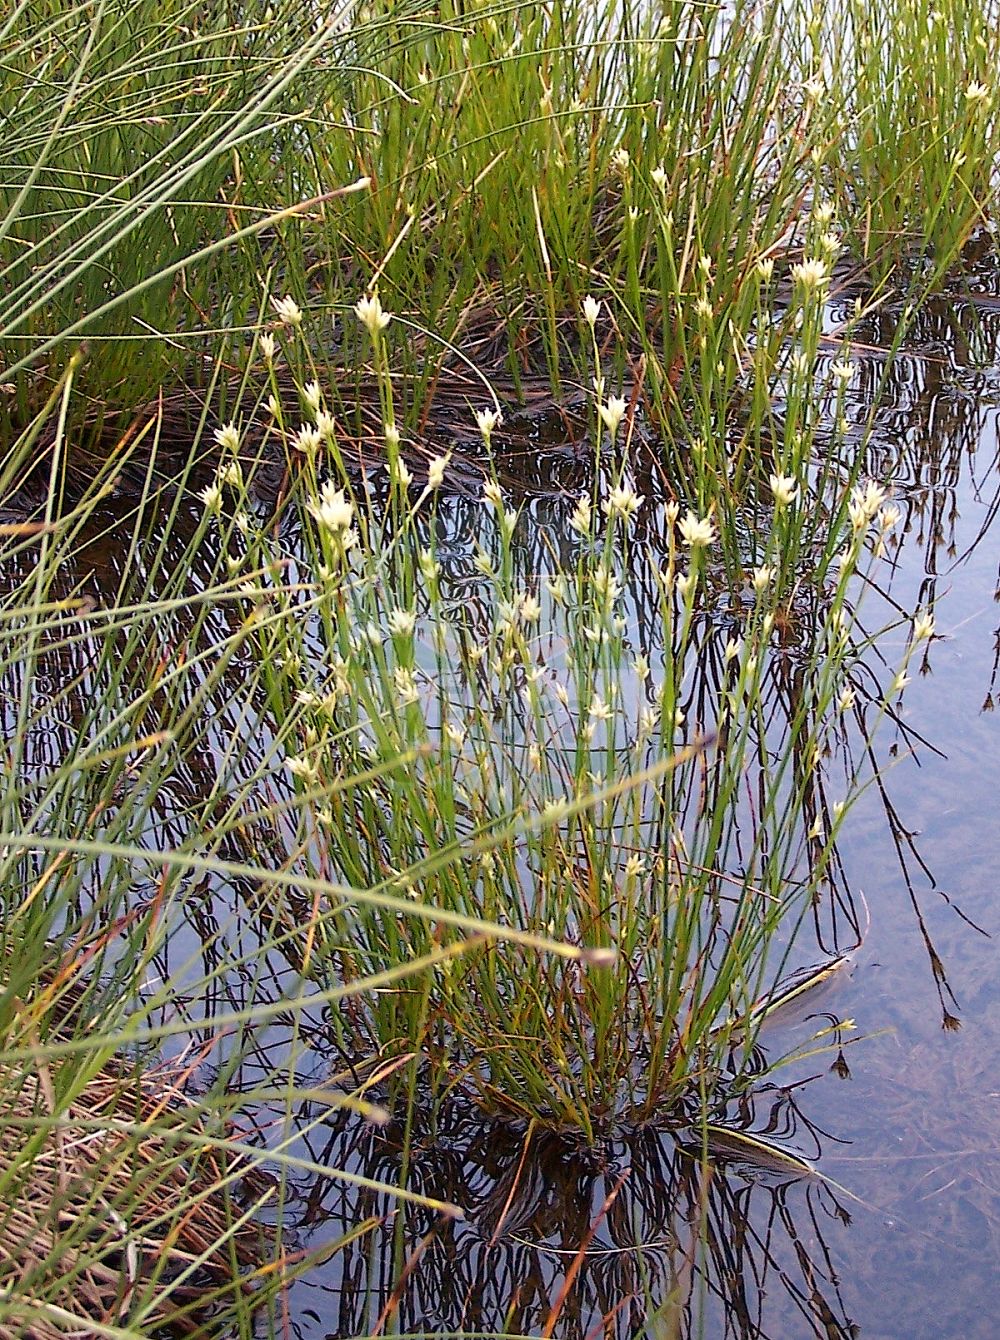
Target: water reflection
641,1237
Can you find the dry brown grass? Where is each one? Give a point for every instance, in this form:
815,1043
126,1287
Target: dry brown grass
116,1212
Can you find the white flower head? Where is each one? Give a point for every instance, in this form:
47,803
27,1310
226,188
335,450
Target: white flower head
697,532
333,509
599,709
288,311
486,421
582,517
211,496
400,473
307,440
762,578
313,396
864,503
303,769
591,311
231,474
810,274
370,313
784,488
405,686
530,609
622,501
228,437
267,347
888,517
401,622
436,471
923,625
612,413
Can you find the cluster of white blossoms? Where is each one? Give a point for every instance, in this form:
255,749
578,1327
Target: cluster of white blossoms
486,421
810,274
372,315
623,502
228,438
612,413
288,312
864,503
784,489
696,532
334,511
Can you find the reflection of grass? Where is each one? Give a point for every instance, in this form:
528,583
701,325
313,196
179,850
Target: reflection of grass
658,1242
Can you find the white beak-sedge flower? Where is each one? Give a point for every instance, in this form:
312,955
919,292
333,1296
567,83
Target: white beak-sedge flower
401,623
371,314
612,413
864,502
591,311
332,509
811,274
486,421
923,625
228,437
288,311
697,532
531,610
784,488
622,501
580,521
307,440
436,471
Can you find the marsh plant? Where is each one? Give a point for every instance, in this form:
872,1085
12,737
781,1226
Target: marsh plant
322,740
504,751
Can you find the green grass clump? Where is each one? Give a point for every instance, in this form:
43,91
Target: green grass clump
512,756
166,168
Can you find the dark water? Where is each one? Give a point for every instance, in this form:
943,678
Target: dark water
899,1236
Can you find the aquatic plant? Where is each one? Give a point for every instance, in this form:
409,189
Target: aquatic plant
324,753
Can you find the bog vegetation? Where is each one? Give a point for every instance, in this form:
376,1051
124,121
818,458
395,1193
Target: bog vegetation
341,773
